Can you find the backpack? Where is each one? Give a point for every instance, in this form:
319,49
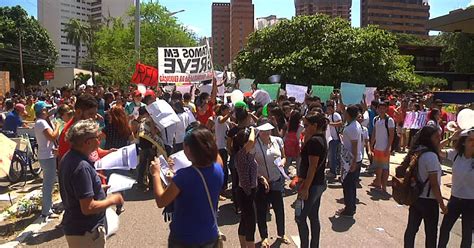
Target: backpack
292,145
395,136
405,184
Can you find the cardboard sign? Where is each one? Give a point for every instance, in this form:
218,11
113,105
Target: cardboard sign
6,153
369,94
245,84
145,75
352,93
49,75
4,82
296,91
323,92
184,64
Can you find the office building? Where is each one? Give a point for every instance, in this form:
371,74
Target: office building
232,23
53,15
333,8
398,16
263,22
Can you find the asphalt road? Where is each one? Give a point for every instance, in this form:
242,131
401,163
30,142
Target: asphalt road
379,222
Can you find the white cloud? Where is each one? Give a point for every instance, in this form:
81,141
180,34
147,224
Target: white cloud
470,3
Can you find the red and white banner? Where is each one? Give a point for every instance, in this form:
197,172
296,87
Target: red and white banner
146,75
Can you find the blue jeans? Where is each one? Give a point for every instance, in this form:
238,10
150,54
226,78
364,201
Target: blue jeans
349,186
311,211
49,178
334,162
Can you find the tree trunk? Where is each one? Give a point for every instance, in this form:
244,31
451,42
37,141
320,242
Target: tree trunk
78,46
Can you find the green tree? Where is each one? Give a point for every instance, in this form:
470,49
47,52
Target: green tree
114,43
323,50
458,50
76,33
39,53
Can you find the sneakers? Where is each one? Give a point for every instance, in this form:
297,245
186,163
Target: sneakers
345,213
330,174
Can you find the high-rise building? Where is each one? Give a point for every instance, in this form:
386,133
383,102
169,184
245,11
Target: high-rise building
232,23
398,16
53,15
221,33
333,8
263,22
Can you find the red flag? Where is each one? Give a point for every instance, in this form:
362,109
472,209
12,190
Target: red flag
146,75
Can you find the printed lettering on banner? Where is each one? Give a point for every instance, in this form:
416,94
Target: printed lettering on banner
296,91
146,75
184,64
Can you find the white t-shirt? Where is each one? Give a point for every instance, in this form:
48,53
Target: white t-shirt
262,97
365,136
381,134
221,131
168,134
463,175
271,154
334,118
428,163
353,132
45,146
186,118
365,122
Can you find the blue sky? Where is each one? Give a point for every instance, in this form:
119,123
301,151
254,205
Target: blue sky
197,15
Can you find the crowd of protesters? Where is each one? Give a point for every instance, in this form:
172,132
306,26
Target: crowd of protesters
251,145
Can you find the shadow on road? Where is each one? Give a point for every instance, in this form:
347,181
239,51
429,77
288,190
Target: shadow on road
137,194
376,195
341,224
44,237
227,215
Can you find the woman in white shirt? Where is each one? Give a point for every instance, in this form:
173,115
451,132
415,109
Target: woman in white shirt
429,174
221,126
46,136
186,117
462,190
269,154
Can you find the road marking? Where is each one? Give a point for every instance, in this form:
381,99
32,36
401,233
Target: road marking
296,239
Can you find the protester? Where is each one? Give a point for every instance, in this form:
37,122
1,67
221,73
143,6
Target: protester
434,118
246,167
313,160
117,132
13,120
427,206
381,142
81,191
131,109
335,123
351,141
194,191
186,117
63,115
46,136
462,189
269,154
205,104
292,140
221,128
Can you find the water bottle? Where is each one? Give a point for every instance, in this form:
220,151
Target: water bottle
299,205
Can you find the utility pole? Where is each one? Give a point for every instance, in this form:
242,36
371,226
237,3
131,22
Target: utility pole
22,77
137,28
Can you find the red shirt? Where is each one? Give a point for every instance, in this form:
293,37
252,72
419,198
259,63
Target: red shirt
64,146
391,111
203,118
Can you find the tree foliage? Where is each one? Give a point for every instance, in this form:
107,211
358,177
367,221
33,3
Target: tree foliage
39,53
322,50
458,50
77,32
114,43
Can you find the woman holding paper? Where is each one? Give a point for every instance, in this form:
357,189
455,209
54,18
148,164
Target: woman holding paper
270,157
195,192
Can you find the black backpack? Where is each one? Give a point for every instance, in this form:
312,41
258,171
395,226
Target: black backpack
396,139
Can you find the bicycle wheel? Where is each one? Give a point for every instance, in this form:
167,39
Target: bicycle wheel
16,170
35,167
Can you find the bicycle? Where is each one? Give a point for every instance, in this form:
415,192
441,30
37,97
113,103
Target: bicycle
22,161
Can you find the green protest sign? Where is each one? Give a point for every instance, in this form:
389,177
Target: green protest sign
271,89
323,92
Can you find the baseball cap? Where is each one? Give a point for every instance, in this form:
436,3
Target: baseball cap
150,93
241,104
40,105
20,108
136,93
466,132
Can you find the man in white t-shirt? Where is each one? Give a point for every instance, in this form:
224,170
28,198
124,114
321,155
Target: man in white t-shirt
335,123
351,139
381,142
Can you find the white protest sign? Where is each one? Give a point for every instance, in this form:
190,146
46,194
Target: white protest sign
369,94
184,64
162,113
124,158
180,161
296,91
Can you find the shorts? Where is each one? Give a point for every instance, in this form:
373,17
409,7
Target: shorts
381,160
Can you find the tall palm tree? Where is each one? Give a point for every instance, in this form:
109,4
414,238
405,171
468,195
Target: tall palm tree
76,32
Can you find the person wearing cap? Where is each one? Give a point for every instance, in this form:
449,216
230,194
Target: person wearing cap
205,104
133,106
46,135
13,119
462,190
269,154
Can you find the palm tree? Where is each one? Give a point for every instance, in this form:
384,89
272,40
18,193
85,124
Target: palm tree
77,32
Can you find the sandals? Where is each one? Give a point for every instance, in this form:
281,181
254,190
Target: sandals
265,243
285,240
